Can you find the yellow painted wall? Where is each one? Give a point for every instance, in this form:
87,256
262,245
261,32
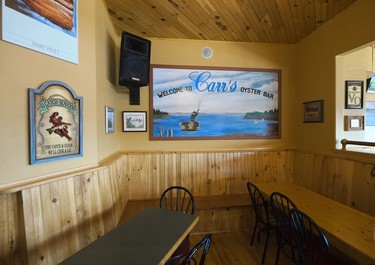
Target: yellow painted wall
308,73
316,77
107,57
225,54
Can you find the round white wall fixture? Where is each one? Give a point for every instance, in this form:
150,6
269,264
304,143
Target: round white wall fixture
207,52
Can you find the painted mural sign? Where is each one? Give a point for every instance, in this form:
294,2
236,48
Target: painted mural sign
214,103
55,122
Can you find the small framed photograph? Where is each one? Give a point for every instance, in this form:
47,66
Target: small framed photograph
353,123
134,121
109,120
313,111
354,94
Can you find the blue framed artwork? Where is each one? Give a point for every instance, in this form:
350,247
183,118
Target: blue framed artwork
189,103
55,122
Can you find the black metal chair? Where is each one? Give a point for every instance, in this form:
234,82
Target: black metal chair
282,207
264,219
312,244
205,243
178,199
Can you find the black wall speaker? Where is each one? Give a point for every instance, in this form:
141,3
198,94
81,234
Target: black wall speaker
134,64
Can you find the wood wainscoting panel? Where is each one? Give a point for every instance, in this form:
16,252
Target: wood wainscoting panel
206,173
64,216
57,217
12,231
346,180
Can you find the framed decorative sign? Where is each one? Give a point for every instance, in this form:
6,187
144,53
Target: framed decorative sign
109,120
134,121
313,111
353,94
55,122
214,103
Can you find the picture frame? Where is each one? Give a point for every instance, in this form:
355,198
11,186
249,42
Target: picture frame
353,123
353,94
109,120
134,121
55,33
214,103
313,111
56,122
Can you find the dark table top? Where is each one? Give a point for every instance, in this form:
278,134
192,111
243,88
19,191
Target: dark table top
149,237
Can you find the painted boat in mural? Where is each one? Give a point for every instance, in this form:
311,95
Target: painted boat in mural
189,126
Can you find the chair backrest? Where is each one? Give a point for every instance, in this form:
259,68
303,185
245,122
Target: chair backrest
259,203
282,207
312,244
178,199
205,243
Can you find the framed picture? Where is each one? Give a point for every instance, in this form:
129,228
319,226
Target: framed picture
134,121
109,120
54,26
354,94
353,123
55,122
214,103
313,111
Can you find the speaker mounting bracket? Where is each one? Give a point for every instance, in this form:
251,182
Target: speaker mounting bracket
134,97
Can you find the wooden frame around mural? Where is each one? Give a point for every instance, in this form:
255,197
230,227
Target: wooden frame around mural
55,118
193,103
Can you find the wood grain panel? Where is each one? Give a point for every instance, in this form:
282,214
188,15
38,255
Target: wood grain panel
64,216
57,218
344,180
266,21
12,243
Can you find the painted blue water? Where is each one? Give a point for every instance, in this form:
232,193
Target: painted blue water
370,120
212,125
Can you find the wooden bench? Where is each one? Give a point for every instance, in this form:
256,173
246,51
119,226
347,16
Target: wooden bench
216,213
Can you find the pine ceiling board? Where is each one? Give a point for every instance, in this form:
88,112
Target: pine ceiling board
287,19
329,12
219,24
138,18
162,21
309,16
244,13
298,18
177,19
254,16
323,11
272,21
199,19
165,27
276,21
227,13
250,19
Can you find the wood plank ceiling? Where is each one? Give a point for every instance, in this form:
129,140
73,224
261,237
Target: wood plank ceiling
266,21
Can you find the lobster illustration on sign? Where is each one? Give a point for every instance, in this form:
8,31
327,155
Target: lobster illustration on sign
58,126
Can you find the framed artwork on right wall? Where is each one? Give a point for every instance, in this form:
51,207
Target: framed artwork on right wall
353,94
